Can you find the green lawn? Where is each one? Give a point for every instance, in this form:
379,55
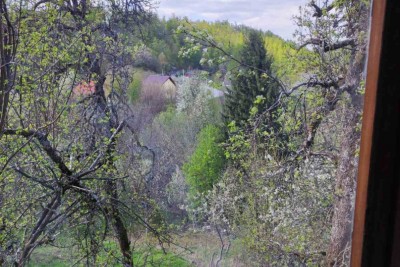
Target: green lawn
143,257
50,256
156,257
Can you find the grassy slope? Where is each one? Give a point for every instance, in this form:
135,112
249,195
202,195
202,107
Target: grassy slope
202,247
56,257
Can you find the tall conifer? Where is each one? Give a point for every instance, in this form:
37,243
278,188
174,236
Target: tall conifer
250,80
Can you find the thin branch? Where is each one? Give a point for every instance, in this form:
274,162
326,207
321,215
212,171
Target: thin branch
98,162
327,46
222,246
320,11
46,145
38,180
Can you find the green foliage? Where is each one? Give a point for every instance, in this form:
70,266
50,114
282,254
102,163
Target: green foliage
157,258
143,257
173,133
135,86
276,214
168,39
250,81
53,132
204,168
194,98
288,63
50,256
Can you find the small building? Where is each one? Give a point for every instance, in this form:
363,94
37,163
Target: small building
216,93
163,83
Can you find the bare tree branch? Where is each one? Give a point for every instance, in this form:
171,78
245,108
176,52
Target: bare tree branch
326,46
46,145
320,11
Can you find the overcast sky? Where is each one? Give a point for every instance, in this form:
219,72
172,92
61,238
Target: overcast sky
273,15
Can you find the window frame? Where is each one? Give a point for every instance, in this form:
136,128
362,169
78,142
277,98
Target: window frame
376,228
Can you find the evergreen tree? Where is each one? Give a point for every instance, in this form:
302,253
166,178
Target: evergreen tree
250,80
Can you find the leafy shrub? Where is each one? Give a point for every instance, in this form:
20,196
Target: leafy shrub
135,86
153,98
143,58
207,161
194,97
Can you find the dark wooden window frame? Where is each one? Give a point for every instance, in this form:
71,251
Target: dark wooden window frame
376,230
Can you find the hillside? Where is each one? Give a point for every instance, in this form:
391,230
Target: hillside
166,46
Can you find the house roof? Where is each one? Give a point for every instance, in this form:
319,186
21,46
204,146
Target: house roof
157,79
84,88
216,93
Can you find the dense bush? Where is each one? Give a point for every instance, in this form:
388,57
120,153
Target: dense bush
146,60
134,86
171,135
206,163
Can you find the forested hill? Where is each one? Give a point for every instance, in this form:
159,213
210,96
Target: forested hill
167,47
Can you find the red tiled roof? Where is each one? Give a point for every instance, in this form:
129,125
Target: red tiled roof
84,88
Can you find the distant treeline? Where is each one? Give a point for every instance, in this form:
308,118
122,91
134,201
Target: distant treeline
163,45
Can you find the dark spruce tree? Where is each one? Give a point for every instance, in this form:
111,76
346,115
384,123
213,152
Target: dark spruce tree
250,80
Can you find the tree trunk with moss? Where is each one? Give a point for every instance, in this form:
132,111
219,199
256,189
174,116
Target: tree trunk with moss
345,184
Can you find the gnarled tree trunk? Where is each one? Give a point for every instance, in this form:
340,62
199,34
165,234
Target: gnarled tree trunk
339,249
345,180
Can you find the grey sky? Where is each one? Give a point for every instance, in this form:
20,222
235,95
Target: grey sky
273,15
